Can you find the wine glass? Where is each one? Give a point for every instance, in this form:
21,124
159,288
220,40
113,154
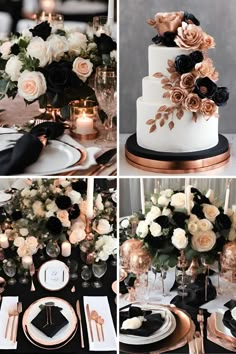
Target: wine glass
86,275
99,269
9,268
101,25
105,86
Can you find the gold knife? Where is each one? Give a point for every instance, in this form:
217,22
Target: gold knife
80,323
90,322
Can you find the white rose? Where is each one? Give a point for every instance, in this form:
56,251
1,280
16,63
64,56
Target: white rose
77,43
33,192
98,202
205,225
162,200
51,206
25,192
103,227
166,211
23,251
91,47
153,214
13,68
23,231
78,225
178,200
31,242
19,241
142,229
210,212
74,196
83,68
37,208
179,239
58,45
155,229
26,202
48,214
77,236
204,241
168,193
5,50
124,223
64,183
153,200
63,216
31,85
39,49
193,217
192,227
26,33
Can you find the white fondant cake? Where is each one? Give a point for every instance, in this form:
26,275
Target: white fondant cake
187,135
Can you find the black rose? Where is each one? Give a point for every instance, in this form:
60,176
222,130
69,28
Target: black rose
184,64
221,96
42,30
205,88
223,222
154,242
180,219
63,202
54,225
79,186
190,18
105,44
59,76
197,56
3,215
74,212
16,215
163,221
199,197
168,39
157,39
15,49
197,210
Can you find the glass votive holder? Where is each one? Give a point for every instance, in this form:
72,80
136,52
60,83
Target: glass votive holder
100,26
56,21
83,116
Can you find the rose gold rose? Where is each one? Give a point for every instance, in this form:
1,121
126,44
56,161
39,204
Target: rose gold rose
177,95
208,107
167,22
192,102
189,36
206,68
207,43
187,81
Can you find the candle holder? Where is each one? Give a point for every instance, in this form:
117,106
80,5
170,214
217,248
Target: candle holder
101,26
55,20
83,119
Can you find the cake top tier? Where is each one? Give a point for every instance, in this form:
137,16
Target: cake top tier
180,29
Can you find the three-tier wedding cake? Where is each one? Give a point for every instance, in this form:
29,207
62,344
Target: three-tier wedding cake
177,115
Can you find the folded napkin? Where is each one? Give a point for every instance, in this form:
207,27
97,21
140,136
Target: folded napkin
8,303
27,148
58,321
152,324
228,320
101,305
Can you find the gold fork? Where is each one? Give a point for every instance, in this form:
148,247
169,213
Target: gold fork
19,310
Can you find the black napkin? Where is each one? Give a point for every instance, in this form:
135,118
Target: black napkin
153,323
59,321
229,322
28,148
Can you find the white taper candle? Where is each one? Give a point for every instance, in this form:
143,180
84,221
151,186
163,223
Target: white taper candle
110,16
142,195
90,188
227,193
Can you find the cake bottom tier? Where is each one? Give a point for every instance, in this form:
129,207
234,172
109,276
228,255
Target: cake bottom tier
186,136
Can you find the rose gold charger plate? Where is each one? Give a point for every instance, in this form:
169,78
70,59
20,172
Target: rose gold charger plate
217,337
184,331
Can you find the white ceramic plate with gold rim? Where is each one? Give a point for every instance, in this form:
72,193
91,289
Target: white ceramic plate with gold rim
38,336
220,327
53,275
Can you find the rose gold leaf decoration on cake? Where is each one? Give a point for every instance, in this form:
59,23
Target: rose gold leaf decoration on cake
194,117
171,63
170,110
151,22
153,128
179,113
162,122
171,70
171,125
174,77
166,95
158,116
162,109
158,75
167,86
165,80
166,116
150,121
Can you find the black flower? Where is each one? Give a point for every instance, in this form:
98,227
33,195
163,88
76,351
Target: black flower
42,30
205,88
15,49
199,197
197,210
221,96
63,202
54,225
223,222
105,44
3,215
59,76
157,39
163,221
16,215
168,39
74,212
80,186
190,18
197,56
184,64
180,219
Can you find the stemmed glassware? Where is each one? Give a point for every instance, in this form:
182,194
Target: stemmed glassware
101,25
9,268
98,269
86,275
105,86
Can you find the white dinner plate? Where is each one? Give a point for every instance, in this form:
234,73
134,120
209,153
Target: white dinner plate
38,336
220,327
56,156
4,197
53,275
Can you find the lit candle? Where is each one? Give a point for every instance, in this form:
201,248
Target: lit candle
227,193
110,16
90,187
27,261
157,186
48,5
4,241
210,195
142,195
84,125
66,249
100,31
187,191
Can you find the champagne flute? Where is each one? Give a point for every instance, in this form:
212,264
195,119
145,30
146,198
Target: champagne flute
98,269
106,92
9,268
86,275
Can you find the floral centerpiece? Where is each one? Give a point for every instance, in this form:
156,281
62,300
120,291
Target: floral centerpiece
177,222
51,65
55,211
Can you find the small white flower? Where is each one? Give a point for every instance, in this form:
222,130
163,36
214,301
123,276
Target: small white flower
13,68
39,49
166,211
179,239
33,192
91,47
103,227
64,183
19,241
192,227
124,223
154,200
205,225
24,231
153,214
155,229
75,197
58,46
5,50
77,43
98,203
178,200
142,229
163,201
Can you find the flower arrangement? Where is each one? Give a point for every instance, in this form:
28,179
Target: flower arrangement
169,228
54,210
52,65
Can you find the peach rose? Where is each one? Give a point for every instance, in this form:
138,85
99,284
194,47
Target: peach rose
187,81
210,212
189,36
31,85
205,225
204,241
167,22
206,69
208,42
77,236
192,102
83,68
208,107
177,95
63,216
192,227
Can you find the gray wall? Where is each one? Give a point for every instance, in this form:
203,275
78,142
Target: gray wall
217,18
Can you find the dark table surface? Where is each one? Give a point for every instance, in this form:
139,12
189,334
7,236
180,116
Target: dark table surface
27,297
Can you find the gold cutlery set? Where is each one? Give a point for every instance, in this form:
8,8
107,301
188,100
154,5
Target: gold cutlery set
99,321
12,323
196,344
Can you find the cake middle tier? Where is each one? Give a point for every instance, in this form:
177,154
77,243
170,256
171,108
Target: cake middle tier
153,92
186,136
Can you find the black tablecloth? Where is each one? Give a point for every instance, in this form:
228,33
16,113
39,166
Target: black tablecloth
27,298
